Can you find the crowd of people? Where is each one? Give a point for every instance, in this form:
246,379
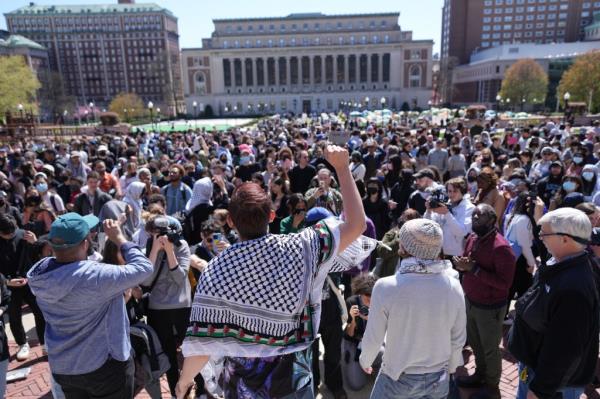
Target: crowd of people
240,250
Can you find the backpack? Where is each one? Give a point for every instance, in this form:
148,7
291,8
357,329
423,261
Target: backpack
153,359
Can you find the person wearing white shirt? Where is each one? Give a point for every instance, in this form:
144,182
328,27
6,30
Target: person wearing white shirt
454,220
518,231
420,312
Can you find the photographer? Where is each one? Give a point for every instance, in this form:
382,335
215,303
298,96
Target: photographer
169,297
452,213
358,315
324,195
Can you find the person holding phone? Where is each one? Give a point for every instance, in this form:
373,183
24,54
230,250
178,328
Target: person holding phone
296,221
15,249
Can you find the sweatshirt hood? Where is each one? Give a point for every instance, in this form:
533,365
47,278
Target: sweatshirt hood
51,281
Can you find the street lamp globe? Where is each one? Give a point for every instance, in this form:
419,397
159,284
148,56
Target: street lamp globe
508,100
498,97
20,107
91,105
158,110
150,105
194,104
567,96
382,100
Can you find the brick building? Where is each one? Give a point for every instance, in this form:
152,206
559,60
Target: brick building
470,26
102,50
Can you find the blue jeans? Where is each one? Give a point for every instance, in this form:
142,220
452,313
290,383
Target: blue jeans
567,392
412,386
3,371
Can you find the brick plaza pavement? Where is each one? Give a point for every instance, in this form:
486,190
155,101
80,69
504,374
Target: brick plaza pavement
37,385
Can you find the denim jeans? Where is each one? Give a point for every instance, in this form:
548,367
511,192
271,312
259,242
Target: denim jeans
412,386
3,371
567,392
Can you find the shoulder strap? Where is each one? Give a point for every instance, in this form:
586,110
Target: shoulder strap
53,202
155,280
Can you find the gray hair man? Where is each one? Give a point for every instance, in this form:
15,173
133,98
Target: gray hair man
555,333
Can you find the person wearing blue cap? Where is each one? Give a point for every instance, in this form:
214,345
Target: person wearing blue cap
87,329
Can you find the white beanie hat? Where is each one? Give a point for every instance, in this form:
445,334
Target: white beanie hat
421,238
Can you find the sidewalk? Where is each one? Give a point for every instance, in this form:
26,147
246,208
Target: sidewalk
37,385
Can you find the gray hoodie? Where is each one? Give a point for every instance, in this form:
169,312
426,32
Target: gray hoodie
82,303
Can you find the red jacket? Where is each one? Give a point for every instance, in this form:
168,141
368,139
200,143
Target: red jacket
490,279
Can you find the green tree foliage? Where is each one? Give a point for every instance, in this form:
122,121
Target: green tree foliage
525,80
582,81
130,102
18,85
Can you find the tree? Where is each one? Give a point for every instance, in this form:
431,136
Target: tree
130,102
582,81
18,85
53,96
525,80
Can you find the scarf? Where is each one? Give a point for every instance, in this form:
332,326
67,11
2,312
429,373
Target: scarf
202,194
133,197
423,266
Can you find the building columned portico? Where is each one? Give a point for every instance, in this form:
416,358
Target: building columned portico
307,63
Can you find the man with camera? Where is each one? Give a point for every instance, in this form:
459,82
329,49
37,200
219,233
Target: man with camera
452,211
424,181
169,291
87,329
324,195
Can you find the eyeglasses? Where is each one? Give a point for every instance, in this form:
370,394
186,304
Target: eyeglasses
299,211
173,172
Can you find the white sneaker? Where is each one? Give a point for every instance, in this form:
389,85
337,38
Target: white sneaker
23,353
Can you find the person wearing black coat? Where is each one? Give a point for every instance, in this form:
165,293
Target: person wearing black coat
4,353
555,332
401,192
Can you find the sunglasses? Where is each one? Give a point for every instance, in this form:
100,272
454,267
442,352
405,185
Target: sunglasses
299,211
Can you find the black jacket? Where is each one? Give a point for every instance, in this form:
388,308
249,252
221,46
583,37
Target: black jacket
4,300
556,328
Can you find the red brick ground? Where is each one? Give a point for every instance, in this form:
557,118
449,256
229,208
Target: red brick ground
37,385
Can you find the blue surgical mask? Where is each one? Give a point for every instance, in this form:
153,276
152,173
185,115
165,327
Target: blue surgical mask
41,187
569,186
577,160
245,160
589,176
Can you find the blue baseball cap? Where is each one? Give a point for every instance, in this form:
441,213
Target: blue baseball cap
71,229
317,213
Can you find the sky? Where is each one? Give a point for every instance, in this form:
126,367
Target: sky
423,17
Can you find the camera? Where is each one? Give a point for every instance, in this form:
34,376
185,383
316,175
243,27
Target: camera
364,310
164,227
438,197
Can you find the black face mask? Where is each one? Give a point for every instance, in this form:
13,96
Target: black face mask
372,190
152,169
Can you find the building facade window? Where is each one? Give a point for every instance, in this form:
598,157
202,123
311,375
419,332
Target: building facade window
363,67
414,76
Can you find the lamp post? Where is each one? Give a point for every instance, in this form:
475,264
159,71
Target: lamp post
566,97
508,103
20,107
498,99
382,101
367,103
195,106
429,103
151,109
157,116
86,112
126,116
64,119
92,110
523,104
